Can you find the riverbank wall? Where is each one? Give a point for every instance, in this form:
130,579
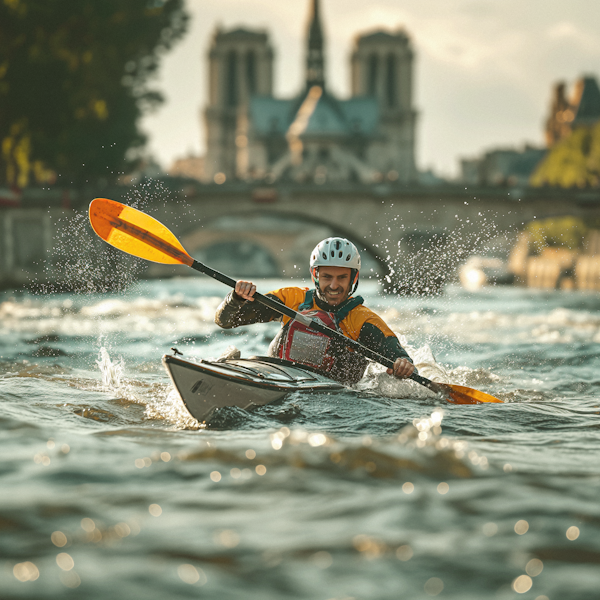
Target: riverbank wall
54,250
558,268
26,243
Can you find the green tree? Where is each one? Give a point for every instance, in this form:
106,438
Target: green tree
74,81
557,232
573,162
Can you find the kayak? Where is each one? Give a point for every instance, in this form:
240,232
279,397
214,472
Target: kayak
206,386
140,235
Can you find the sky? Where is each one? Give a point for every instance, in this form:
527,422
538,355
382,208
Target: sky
483,70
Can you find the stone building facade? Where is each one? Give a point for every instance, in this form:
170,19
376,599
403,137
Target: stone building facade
313,137
509,166
240,67
582,109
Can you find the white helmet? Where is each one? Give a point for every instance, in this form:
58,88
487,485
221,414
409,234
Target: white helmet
335,252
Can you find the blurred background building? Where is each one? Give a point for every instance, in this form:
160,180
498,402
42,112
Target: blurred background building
502,166
314,136
515,167
582,109
190,167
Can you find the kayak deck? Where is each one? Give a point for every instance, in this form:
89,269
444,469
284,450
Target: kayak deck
206,386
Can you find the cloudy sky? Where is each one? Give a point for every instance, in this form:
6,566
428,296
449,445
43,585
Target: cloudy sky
484,69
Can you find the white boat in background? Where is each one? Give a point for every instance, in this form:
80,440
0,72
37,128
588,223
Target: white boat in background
480,271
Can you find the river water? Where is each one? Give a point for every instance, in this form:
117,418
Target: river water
111,490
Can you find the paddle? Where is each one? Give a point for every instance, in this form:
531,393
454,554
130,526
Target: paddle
143,236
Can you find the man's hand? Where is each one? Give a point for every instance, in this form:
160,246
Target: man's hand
245,290
402,368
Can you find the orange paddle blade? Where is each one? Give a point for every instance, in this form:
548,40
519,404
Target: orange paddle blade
459,394
136,233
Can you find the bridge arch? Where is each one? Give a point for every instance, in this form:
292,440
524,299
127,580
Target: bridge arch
283,238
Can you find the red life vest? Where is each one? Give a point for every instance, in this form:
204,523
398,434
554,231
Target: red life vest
301,344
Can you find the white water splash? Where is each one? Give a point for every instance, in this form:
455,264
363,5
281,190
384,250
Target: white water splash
377,379
171,408
425,361
161,402
112,372
171,316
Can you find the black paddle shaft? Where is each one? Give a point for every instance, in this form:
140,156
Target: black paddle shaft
317,326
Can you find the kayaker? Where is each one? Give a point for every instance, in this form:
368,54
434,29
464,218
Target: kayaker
334,269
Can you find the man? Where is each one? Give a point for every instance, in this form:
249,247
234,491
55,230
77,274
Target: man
334,268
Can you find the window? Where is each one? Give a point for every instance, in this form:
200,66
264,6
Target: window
231,94
390,80
251,72
372,75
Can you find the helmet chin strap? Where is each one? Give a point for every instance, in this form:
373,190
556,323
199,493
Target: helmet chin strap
355,274
314,275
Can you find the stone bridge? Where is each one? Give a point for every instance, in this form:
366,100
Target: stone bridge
413,239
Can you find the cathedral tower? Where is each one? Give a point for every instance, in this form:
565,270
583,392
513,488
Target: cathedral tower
382,66
240,66
315,57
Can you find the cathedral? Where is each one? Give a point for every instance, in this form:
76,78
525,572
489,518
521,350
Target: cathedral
313,137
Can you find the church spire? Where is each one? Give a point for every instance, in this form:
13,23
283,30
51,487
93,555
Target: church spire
315,59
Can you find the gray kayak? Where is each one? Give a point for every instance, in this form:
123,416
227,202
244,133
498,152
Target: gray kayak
206,386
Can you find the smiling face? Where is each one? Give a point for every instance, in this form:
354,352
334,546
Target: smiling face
334,284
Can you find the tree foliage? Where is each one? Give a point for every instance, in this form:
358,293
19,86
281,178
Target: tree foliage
573,162
557,232
74,81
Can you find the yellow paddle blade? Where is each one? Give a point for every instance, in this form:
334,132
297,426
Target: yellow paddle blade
464,395
136,233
